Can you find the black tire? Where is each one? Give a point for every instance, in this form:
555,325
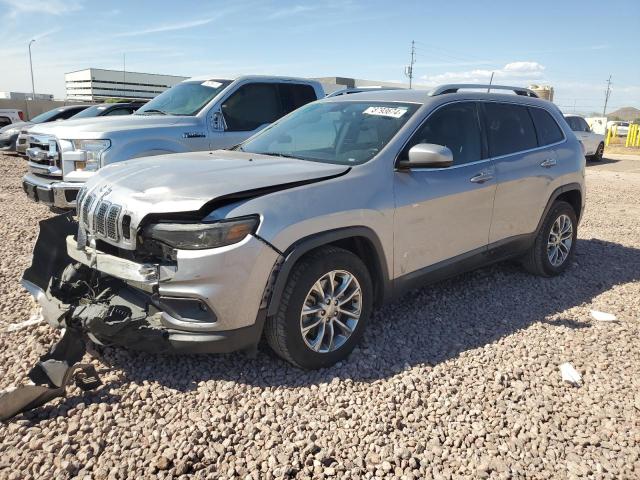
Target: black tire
283,330
536,260
597,157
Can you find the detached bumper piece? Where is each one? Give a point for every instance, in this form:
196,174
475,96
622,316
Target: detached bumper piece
51,376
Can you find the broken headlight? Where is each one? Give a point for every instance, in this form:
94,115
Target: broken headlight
199,236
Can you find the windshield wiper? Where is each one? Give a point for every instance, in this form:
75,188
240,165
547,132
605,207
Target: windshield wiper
153,110
278,154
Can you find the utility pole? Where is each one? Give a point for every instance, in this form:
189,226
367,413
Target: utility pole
606,97
408,70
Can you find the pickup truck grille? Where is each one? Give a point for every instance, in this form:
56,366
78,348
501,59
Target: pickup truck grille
43,143
100,217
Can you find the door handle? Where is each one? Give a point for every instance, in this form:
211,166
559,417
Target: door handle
548,163
481,177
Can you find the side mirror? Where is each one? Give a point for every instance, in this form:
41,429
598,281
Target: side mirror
427,155
217,122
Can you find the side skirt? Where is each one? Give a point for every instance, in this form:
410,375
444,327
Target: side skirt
505,249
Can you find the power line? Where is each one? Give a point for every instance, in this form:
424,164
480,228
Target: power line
606,96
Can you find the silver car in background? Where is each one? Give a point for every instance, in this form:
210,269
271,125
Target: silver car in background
300,231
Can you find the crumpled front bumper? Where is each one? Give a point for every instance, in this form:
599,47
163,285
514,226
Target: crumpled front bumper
150,307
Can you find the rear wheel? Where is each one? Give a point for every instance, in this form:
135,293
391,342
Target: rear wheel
554,245
324,309
597,157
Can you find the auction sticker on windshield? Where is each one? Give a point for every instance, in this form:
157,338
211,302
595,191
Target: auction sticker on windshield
394,112
211,83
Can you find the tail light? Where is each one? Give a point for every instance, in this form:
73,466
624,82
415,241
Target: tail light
21,115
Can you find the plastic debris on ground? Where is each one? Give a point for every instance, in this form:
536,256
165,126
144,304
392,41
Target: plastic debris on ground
570,374
603,316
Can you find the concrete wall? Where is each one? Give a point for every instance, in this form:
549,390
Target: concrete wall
33,108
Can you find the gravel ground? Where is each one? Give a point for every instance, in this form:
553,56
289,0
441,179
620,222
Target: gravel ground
459,380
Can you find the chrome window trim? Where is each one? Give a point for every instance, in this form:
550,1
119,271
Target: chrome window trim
519,152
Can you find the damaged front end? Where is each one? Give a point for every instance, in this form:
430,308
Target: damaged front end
87,306
75,295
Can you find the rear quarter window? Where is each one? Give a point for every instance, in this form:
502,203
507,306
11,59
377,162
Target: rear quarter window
547,128
509,128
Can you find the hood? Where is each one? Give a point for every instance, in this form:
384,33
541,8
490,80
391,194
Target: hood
185,182
100,127
16,125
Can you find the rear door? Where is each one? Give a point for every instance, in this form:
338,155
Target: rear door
442,213
525,161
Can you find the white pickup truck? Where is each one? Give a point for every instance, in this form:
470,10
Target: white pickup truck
197,114
9,116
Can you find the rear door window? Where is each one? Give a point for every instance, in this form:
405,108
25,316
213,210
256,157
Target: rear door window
547,129
455,126
509,128
251,106
583,125
294,96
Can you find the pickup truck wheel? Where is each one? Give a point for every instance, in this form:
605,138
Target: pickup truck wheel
324,309
554,245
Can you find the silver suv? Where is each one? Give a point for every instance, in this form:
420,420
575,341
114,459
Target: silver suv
305,228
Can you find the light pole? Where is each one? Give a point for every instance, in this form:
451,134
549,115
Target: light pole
33,88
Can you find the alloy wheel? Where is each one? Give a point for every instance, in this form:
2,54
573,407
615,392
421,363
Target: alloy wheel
331,311
560,240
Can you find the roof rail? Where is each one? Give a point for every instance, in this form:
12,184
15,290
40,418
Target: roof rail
454,87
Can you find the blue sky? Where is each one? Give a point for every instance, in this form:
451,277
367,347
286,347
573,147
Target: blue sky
572,45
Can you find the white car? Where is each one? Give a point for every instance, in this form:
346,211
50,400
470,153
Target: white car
622,128
9,116
593,143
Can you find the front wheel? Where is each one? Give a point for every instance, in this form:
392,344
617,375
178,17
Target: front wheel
324,309
555,243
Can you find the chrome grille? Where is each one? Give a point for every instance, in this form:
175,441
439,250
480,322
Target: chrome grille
112,222
100,218
86,208
79,198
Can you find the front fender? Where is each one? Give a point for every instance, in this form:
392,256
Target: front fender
143,148
305,245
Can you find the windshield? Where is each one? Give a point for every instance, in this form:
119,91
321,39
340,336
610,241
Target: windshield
90,112
186,98
43,117
333,132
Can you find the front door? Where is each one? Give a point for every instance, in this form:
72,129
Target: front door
444,213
